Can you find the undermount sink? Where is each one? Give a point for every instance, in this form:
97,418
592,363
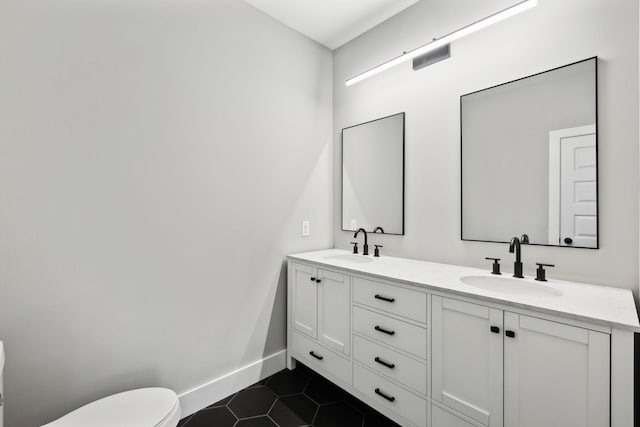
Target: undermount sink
511,286
358,259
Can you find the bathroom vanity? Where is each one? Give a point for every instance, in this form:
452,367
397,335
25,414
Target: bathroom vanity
441,345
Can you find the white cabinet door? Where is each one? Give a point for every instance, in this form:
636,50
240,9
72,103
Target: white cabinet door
467,363
305,300
555,375
334,314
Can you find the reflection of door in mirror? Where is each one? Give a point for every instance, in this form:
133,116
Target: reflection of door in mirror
573,216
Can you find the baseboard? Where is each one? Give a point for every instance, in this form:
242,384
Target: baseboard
212,391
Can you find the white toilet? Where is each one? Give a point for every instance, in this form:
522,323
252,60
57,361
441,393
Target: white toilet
144,407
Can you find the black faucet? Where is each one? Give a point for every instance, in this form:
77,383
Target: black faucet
365,248
517,265
375,230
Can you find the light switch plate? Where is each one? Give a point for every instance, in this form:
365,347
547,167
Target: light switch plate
306,228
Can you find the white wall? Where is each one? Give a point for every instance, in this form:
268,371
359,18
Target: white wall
553,34
156,159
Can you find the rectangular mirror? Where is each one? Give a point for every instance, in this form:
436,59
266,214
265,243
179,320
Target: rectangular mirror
373,175
529,159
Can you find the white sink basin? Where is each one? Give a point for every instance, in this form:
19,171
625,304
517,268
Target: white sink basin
512,286
356,259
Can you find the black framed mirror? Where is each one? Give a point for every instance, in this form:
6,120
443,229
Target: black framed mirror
373,175
529,159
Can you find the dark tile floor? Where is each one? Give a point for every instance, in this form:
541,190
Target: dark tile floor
289,399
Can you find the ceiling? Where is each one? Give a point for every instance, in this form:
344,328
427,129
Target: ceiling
331,22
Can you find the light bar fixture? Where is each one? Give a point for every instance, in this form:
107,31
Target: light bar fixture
445,40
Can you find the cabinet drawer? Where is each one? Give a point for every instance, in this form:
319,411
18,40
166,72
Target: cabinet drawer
405,336
394,397
393,299
401,368
313,354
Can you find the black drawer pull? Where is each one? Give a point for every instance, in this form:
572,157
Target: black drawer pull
313,279
384,331
318,280
387,299
510,334
316,356
495,329
383,363
389,398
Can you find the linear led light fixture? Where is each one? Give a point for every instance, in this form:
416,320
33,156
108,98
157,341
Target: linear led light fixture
445,40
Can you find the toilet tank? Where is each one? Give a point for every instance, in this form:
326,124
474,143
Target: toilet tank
1,387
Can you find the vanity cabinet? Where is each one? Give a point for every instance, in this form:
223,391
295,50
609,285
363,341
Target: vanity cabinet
412,340
498,368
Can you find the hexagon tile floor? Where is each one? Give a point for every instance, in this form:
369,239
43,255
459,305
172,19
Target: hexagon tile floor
289,399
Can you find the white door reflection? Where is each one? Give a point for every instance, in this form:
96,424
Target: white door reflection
573,195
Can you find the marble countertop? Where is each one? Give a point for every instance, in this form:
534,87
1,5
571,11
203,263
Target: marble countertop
602,305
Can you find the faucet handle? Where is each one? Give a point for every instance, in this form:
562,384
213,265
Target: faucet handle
376,251
524,239
541,272
496,265
355,247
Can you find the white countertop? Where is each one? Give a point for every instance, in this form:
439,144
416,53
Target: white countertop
602,305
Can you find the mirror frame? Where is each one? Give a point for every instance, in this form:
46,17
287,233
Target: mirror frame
404,132
597,158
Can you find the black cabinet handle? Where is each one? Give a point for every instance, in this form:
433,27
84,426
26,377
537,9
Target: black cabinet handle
313,279
387,299
318,280
510,334
495,329
384,331
316,356
389,398
568,240
383,363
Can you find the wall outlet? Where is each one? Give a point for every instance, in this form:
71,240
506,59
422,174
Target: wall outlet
354,224
306,228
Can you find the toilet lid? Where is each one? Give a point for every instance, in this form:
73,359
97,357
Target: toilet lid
146,407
